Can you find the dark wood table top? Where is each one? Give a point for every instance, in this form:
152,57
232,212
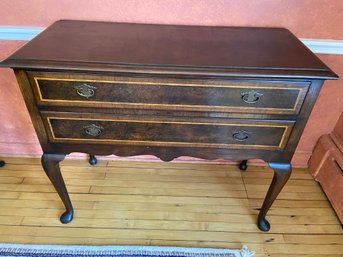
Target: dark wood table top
83,44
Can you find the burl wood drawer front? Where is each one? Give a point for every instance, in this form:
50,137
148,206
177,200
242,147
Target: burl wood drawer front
224,134
251,96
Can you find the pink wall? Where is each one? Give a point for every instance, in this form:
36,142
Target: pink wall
306,18
17,136
320,19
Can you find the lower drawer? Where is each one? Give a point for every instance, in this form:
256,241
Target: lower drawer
250,134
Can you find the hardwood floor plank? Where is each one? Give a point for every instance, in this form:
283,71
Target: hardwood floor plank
19,239
288,195
292,182
314,239
139,234
39,173
12,168
328,219
11,180
21,160
168,191
9,195
45,204
158,199
292,203
235,184
11,220
296,189
299,211
170,171
41,188
168,178
268,174
304,249
172,165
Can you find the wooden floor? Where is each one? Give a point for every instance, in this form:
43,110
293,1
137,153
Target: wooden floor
176,204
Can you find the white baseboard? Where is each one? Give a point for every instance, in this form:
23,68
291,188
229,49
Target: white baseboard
324,46
18,33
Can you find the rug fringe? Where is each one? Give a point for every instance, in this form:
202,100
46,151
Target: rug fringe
245,252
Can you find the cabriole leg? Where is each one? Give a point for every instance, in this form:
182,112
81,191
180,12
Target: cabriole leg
282,172
50,163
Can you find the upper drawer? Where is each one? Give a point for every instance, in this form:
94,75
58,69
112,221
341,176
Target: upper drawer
248,96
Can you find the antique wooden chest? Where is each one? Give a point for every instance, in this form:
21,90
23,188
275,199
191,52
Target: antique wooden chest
129,89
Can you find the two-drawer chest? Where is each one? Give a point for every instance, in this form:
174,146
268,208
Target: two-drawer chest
233,93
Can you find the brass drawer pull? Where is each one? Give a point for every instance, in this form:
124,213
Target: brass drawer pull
93,130
85,90
251,96
241,135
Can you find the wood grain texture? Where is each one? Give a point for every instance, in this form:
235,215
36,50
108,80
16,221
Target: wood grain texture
301,227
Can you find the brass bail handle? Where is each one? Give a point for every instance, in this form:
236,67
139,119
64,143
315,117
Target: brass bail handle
85,90
93,130
251,96
241,135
